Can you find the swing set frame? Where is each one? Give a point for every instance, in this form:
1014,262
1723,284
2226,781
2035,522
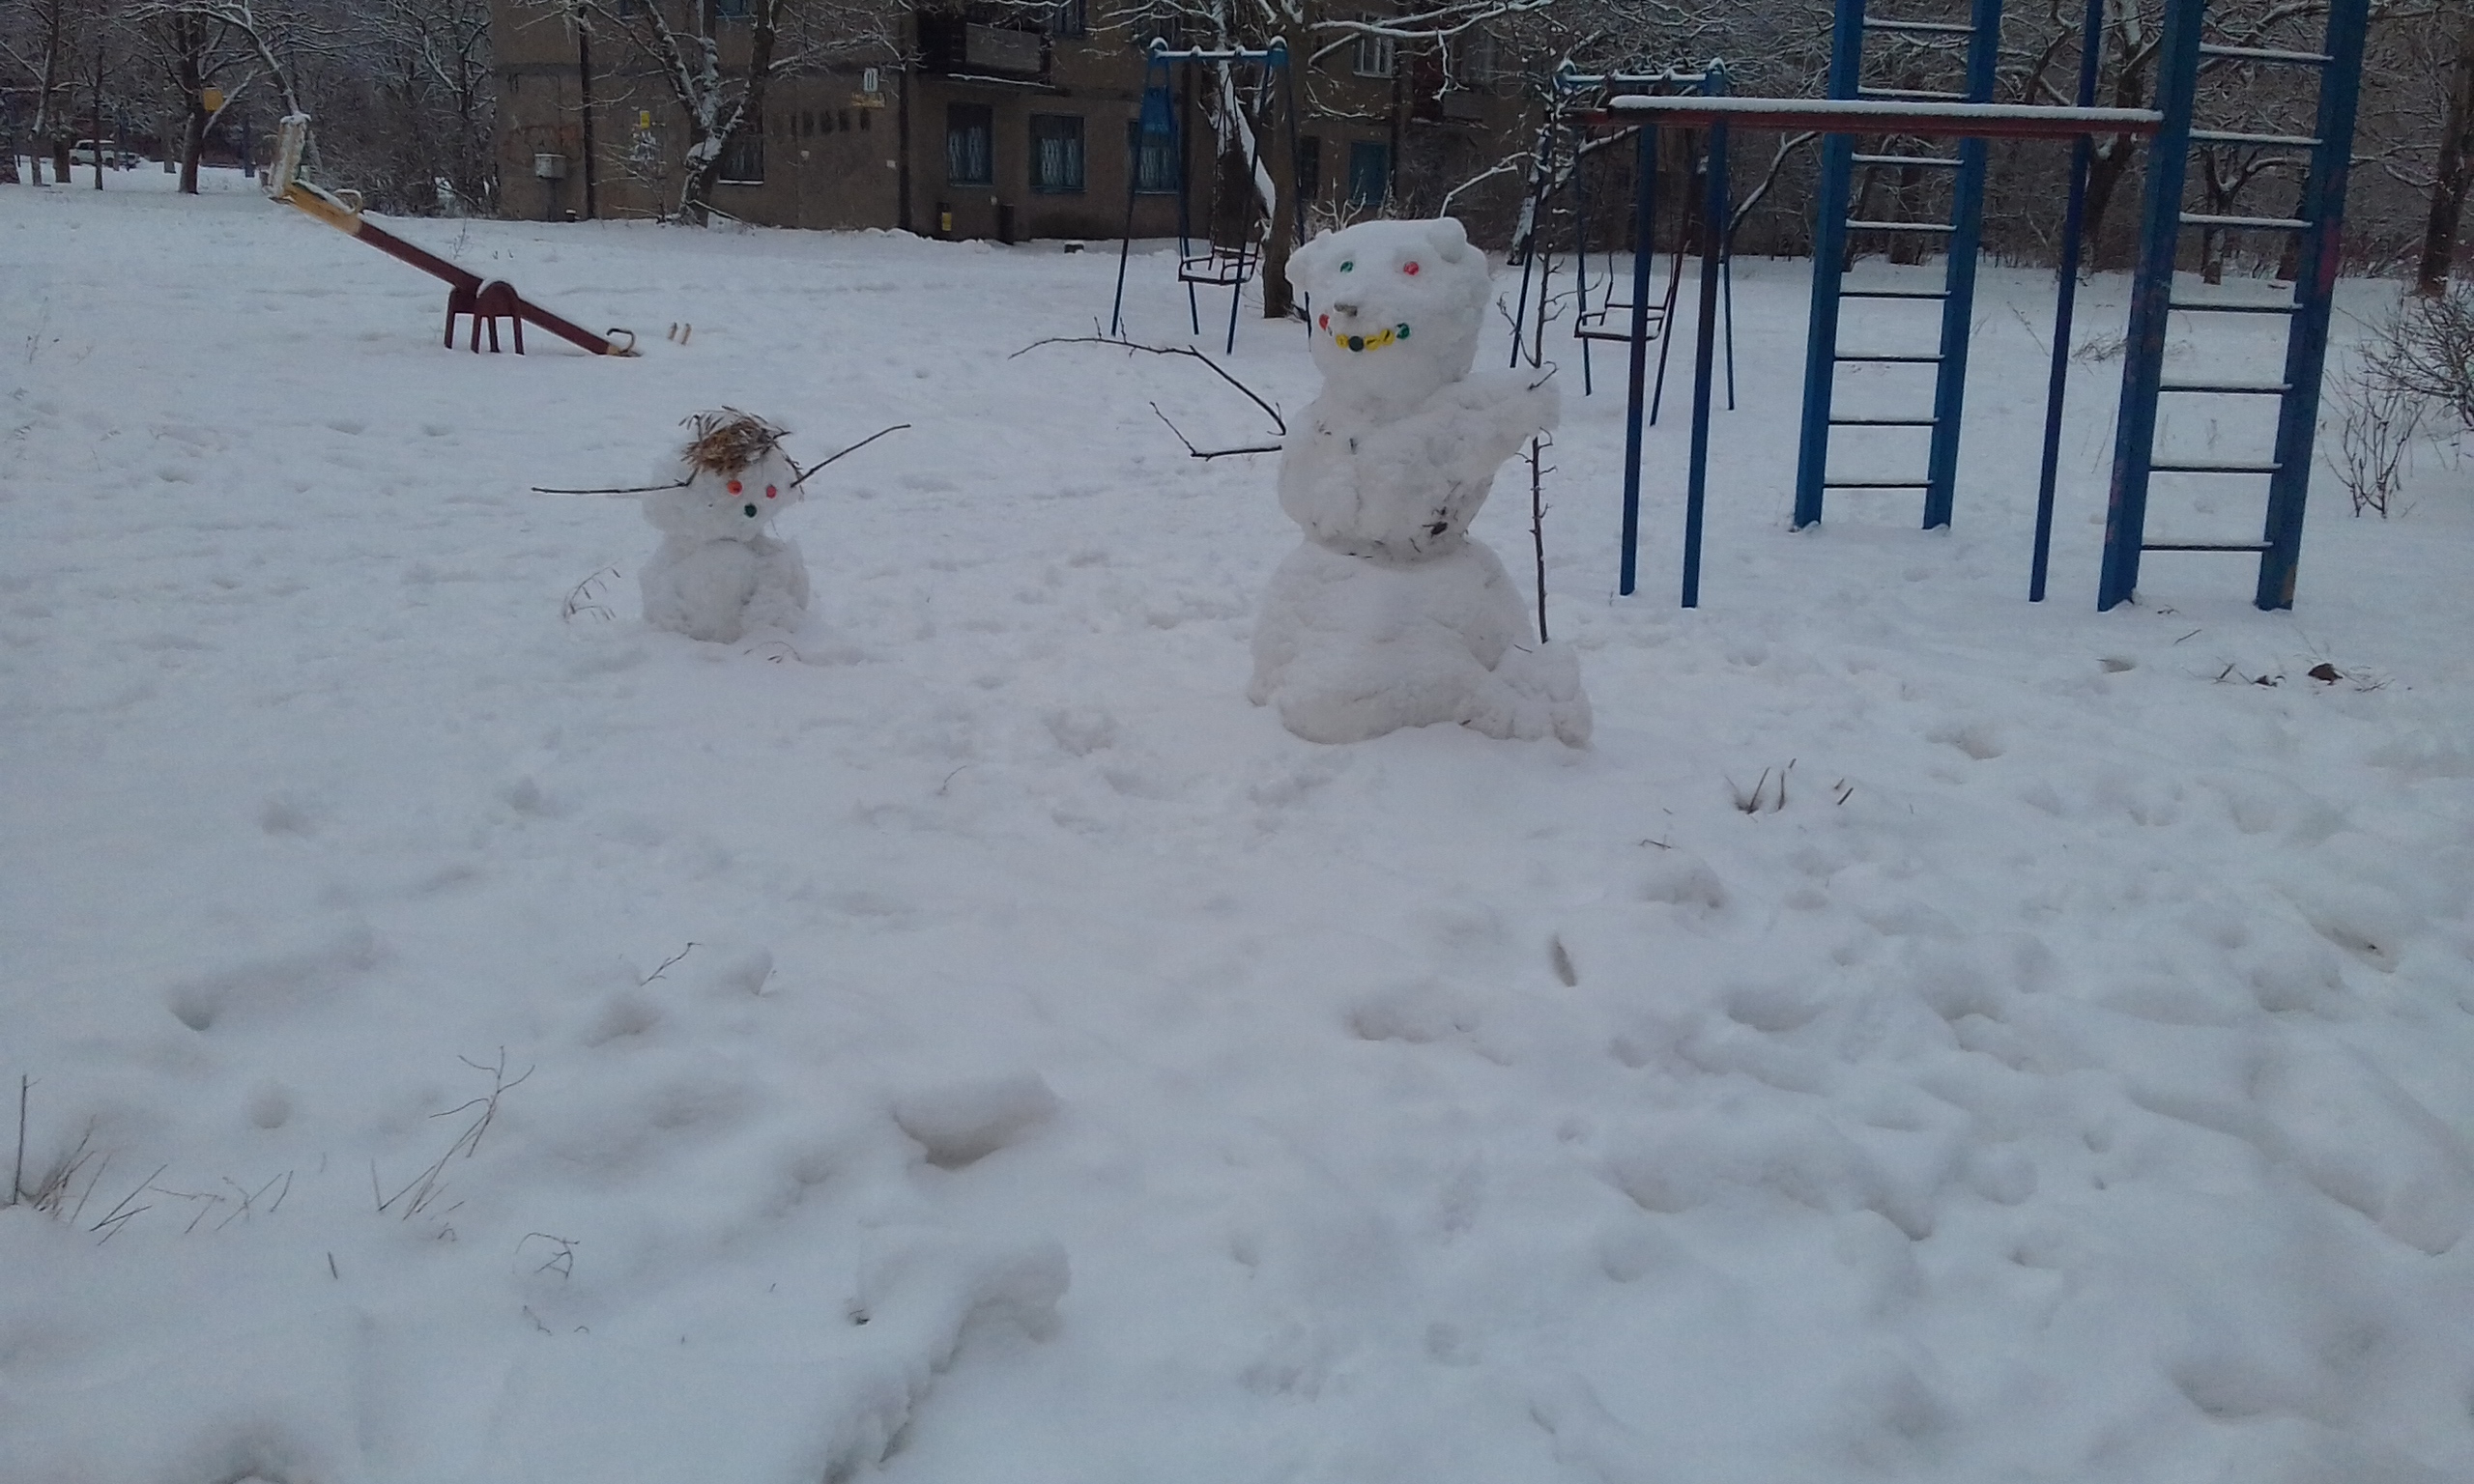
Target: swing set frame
1216,265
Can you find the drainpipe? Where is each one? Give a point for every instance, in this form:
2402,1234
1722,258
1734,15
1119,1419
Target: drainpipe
584,91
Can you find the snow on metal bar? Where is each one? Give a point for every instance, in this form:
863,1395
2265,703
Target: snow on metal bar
1921,27
2235,136
2265,54
1869,116
2242,223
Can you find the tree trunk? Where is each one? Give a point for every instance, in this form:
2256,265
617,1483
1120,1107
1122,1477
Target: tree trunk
2453,175
764,28
1280,300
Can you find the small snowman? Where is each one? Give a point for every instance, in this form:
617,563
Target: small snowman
721,571
1389,614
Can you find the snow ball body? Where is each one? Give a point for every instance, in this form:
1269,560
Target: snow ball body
1389,615
719,570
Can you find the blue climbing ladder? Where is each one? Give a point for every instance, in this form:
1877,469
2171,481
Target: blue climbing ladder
2184,54
1960,234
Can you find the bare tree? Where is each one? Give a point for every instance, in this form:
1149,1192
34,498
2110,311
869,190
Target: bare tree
2453,168
714,62
192,53
279,37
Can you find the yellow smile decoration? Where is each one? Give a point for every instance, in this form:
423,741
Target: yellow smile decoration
1373,342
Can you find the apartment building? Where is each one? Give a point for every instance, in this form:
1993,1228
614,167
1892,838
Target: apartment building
1005,121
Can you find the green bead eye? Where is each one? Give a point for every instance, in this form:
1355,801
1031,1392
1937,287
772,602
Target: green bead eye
1348,267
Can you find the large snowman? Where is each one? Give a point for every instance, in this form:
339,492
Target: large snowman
721,571
1389,615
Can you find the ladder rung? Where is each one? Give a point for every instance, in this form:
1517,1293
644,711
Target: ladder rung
1877,484
1942,94
2230,389
1853,226
2265,54
1885,422
2237,136
2165,467
2227,307
2204,546
1907,159
1893,292
1920,27
1892,359
2246,223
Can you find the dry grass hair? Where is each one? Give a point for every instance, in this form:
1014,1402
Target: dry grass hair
728,441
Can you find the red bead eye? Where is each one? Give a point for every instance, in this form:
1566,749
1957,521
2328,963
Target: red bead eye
1411,269
734,486
771,492
1327,321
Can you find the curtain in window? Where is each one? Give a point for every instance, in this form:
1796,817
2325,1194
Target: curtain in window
1056,152
967,131
1155,162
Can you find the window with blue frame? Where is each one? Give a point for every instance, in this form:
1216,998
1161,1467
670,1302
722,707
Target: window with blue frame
1154,160
732,10
1056,153
1370,173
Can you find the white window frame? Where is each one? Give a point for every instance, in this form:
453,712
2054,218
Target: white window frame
1377,55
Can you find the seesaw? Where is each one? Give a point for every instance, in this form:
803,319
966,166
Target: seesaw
487,300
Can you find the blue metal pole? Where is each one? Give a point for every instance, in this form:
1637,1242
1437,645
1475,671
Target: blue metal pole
1958,309
1580,258
1829,266
1704,343
2082,155
2177,69
2323,206
1674,288
1727,289
1646,169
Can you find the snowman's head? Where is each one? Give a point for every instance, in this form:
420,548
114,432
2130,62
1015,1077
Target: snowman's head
1396,304
726,505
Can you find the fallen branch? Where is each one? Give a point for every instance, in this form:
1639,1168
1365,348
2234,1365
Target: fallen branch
1191,354
1209,454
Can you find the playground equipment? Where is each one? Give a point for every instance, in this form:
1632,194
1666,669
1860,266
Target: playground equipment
1971,121
2318,222
485,300
1576,116
1961,233
1229,264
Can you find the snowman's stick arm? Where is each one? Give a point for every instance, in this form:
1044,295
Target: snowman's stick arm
853,448
632,489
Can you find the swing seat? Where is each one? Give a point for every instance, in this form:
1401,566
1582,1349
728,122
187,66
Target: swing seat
1613,320
1225,268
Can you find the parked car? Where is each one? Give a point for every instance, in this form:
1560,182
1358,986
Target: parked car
83,152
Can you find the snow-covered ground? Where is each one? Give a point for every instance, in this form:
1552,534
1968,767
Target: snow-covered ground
471,1037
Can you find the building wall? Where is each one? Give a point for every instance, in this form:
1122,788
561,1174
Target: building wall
836,158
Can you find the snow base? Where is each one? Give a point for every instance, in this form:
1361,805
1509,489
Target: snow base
1351,647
